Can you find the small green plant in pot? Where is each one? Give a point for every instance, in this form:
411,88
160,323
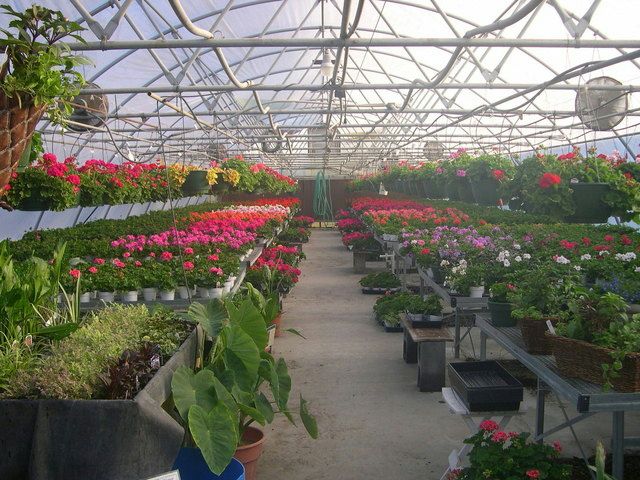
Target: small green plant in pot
381,281
239,385
500,305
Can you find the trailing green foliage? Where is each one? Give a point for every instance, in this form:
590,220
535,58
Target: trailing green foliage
380,280
73,367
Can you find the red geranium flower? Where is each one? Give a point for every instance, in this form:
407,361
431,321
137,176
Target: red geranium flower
498,174
549,179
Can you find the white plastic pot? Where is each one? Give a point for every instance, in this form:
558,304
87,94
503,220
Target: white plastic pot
131,296
149,294
167,295
183,292
216,292
106,296
476,292
203,292
85,297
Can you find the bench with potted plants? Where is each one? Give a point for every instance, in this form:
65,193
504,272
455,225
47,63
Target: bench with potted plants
378,283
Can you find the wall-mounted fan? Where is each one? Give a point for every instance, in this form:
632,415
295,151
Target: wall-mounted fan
601,109
433,150
89,109
271,146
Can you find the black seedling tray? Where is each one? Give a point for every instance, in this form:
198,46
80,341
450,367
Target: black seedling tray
485,386
379,290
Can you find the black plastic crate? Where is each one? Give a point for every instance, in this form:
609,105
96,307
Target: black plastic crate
485,386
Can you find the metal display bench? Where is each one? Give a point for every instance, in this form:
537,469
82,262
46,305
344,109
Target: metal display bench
587,398
462,307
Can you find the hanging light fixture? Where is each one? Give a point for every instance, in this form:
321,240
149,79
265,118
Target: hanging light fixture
326,67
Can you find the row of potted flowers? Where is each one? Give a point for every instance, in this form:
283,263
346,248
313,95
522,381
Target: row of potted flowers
581,277
206,252
575,187
50,184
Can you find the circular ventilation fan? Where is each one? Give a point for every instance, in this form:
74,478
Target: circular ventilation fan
271,146
601,109
433,150
89,109
216,152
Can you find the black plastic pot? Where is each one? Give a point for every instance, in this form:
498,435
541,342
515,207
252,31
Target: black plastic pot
485,386
451,191
433,189
590,208
464,190
419,320
94,439
438,274
196,183
486,192
501,314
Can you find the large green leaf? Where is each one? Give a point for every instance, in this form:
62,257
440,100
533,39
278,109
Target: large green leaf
57,332
252,322
215,434
242,356
223,395
264,406
210,316
193,389
253,413
284,382
308,420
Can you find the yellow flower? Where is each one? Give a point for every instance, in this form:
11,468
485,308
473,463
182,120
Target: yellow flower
212,175
231,176
178,173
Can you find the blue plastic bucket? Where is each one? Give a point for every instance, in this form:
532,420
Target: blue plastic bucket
192,466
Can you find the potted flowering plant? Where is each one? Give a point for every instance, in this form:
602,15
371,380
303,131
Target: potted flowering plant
45,185
457,186
499,304
467,279
431,175
599,189
538,187
505,455
487,174
37,75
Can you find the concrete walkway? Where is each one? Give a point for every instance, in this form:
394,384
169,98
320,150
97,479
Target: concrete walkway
373,421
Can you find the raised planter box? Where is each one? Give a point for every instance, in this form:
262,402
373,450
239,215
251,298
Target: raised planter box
485,386
94,439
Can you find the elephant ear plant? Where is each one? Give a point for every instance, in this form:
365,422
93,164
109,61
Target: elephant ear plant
238,382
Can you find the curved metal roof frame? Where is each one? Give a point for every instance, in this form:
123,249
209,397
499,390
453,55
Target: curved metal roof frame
277,42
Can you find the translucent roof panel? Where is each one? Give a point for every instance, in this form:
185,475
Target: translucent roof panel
483,75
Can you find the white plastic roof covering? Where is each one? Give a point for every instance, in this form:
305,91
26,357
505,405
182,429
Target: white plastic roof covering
481,75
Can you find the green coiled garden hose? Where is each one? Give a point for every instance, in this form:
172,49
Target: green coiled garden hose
322,208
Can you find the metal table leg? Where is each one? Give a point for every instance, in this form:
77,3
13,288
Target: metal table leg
456,340
540,404
483,346
617,445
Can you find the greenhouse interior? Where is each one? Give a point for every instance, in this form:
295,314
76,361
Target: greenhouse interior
320,239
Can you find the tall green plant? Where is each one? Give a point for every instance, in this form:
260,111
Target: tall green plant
240,383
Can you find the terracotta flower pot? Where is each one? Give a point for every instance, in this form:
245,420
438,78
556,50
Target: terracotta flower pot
249,452
278,323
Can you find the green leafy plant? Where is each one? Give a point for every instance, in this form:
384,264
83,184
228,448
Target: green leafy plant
380,280
73,367
222,399
38,68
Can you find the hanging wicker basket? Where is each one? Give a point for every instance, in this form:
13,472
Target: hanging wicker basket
17,124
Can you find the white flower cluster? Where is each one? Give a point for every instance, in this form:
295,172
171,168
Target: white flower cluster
444,263
461,268
586,256
562,260
503,257
626,257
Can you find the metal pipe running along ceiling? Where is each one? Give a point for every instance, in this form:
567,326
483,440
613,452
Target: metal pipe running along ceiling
373,84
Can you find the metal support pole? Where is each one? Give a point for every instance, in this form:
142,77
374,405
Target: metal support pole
617,445
540,404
